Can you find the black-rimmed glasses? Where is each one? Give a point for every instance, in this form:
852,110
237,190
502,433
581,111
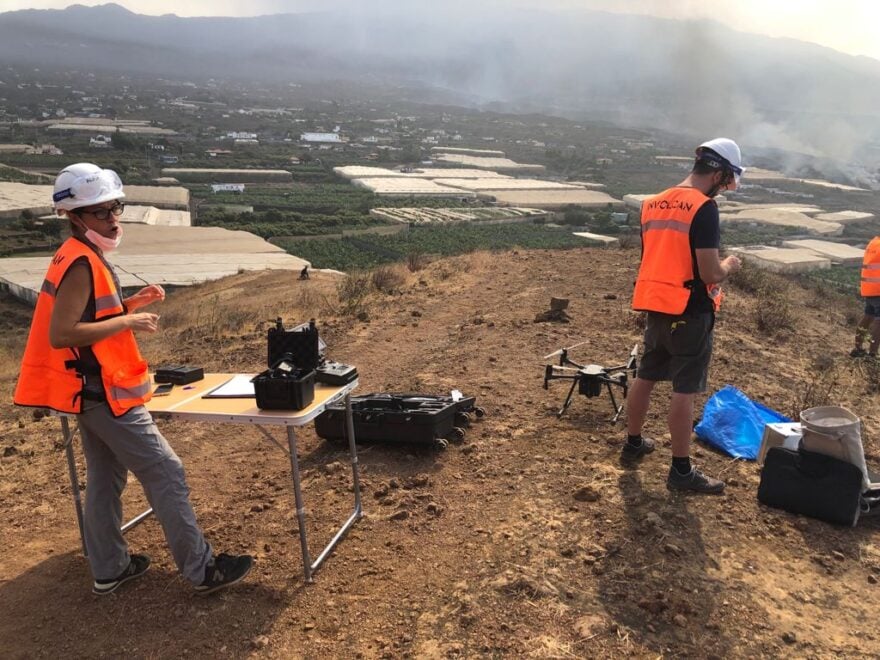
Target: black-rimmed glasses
103,213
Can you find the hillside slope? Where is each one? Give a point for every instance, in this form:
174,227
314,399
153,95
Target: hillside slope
495,556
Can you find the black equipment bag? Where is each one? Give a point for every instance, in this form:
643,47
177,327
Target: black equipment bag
386,417
301,343
811,484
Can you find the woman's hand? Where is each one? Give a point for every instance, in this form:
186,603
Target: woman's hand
146,296
143,322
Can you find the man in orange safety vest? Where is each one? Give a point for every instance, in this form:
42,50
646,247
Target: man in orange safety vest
677,286
869,326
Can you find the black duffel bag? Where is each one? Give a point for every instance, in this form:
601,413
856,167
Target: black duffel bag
811,484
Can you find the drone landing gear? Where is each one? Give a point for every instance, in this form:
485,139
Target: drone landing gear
618,407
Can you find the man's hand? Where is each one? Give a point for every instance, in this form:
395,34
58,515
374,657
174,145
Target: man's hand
146,296
732,264
142,322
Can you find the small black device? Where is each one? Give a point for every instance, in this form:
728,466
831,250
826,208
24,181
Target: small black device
590,378
164,389
335,373
179,374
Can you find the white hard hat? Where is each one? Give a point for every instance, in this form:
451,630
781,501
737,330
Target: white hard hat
729,152
85,184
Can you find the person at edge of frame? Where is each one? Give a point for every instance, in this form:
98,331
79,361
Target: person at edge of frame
869,326
82,358
678,287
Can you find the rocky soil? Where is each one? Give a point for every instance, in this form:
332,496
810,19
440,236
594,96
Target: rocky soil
527,539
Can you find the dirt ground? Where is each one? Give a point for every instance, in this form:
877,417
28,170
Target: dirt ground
528,539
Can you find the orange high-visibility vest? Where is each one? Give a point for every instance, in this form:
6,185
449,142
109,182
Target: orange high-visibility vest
871,269
52,377
666,273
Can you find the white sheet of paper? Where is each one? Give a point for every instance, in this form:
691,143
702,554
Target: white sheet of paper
237,387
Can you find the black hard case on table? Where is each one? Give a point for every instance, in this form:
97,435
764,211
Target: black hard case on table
293,392
412,418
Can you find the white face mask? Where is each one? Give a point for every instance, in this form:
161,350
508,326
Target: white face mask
105,244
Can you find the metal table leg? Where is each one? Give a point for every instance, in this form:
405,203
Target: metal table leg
300,509
74,479
358,513
310,567
352,450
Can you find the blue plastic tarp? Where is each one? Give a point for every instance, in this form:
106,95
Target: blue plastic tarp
733,423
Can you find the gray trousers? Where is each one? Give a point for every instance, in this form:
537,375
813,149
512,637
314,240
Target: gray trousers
113,446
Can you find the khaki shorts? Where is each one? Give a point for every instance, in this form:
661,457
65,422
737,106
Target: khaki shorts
678,348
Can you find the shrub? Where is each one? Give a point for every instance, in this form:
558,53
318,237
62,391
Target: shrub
773,313
416,260
352,292
630,240
870,369
751,279
817,388
387,279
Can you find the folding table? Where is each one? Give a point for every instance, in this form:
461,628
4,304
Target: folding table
187,402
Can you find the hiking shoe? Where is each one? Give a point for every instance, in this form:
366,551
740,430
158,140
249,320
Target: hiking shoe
635,452
224,571
693,480
137,566
858,353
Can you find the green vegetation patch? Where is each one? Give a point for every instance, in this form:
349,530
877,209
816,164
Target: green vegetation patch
17,176
367,251
843,279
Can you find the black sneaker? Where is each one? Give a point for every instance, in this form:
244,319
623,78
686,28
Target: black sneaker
632,452
224,571
858,353
693,480
137,566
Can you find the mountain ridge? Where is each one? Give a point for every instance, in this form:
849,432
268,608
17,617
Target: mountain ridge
696,77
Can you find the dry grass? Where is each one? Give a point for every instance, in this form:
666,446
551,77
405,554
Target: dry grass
752,279
869,370
630,240
416,261
773,316
352,292
388,279
820,387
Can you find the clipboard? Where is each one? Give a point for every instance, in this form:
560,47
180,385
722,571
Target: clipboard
237,387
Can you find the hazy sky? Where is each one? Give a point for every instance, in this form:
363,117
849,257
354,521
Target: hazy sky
850,26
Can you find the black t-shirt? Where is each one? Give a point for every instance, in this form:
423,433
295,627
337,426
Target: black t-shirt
705,234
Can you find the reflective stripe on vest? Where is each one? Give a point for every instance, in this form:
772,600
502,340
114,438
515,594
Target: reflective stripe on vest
870,285
667,263
49,376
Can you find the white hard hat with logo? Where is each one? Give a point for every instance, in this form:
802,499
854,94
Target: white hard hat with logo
85,184
730,156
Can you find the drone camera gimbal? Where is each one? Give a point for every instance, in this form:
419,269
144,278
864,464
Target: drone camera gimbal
590,378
